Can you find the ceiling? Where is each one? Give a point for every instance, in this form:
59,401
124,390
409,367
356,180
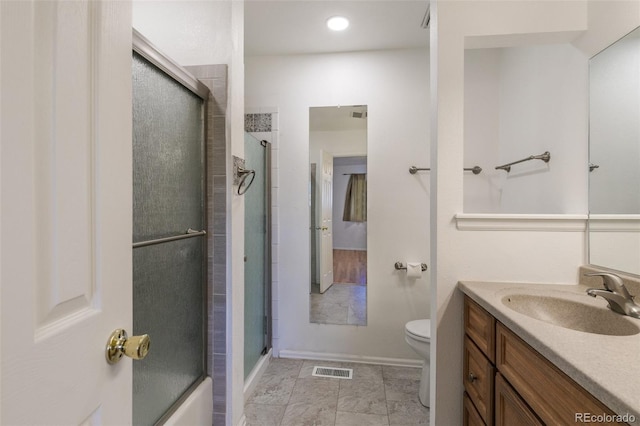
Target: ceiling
298,26
337,118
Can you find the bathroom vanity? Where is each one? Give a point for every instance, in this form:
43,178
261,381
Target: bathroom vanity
535,371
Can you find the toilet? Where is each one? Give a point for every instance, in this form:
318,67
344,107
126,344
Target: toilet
418,335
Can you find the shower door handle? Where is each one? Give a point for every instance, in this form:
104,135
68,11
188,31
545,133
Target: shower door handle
119,344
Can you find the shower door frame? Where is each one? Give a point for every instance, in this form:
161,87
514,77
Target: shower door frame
267,270
146,49
151,53
267,249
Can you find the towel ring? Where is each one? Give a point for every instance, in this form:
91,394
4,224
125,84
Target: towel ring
244,173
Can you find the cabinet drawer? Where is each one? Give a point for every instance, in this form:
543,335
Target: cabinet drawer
510,408
470,414
550,393
478,380
480,326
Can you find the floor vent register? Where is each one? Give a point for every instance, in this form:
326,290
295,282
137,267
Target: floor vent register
340,373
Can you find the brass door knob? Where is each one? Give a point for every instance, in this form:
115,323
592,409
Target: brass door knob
119,343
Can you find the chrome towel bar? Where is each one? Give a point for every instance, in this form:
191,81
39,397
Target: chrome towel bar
546,156
413,169
475,169
189,234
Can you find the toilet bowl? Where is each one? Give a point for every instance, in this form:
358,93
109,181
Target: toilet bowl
418,335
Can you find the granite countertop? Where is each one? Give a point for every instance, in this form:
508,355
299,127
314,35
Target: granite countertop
607,366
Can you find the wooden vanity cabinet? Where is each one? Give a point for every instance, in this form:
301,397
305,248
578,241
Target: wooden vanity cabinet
480,326
510,408
479,374
470,415
507,382
553,395
478,363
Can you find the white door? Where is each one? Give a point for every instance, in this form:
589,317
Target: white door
326,224
65,221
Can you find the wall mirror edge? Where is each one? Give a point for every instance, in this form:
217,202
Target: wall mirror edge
337,214
614,216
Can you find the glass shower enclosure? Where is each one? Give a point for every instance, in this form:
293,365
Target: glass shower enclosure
169,246
257,243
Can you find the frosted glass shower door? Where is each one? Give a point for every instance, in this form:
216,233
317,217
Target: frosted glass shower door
168,277
257,254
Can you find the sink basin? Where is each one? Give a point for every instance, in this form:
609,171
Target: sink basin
571,314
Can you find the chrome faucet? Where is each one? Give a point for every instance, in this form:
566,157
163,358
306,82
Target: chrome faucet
616,294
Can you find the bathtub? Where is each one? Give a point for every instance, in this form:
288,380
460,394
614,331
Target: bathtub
197,409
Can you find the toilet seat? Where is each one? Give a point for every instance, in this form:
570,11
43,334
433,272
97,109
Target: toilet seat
419,329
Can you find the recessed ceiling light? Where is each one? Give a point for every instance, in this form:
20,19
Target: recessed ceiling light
337,23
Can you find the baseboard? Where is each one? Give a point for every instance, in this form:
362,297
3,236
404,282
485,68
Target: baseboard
255,375
323,356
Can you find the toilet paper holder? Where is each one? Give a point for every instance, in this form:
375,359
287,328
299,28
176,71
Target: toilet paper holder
400,266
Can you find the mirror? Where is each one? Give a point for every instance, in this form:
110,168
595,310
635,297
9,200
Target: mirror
338,214
614,156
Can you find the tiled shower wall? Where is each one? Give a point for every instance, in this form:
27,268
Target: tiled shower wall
215,78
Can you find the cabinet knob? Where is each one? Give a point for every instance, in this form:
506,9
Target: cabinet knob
472,378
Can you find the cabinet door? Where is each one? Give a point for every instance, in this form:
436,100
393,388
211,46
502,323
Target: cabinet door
479,325
478,380
470,414
510,408
553,395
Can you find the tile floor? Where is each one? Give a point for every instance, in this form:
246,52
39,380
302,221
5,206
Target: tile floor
340,304
287,395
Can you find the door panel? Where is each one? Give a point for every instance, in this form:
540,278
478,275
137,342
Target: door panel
64,145
65,258
326,211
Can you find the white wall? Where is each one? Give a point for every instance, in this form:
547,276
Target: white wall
608,21
507,255
523,101
615,242
393,84
190,32
547,113
341,143
482,130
